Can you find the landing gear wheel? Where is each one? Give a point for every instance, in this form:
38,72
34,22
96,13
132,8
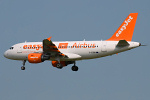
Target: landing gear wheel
59,66
22,68
74,68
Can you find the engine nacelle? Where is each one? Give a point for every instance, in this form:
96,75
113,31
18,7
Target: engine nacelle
37,57
63,63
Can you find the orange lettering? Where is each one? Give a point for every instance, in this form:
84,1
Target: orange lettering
37,47
34,46
63,45
93,46
74,45
25,47
29,46
84,45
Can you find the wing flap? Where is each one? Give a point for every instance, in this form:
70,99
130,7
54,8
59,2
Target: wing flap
72,56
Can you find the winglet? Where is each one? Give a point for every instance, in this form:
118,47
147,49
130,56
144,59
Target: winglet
125,31
49,38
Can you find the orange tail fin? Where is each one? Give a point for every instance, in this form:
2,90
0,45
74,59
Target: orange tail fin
125,31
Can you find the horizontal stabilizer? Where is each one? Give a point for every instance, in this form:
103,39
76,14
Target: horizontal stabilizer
122,43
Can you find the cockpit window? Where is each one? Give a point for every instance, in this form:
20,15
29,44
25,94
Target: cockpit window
11,48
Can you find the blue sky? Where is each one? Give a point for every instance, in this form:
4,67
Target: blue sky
119,77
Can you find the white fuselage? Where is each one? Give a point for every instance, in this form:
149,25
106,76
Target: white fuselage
76,50
67,52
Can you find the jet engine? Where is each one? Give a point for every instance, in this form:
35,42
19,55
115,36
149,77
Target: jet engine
37,57
61,63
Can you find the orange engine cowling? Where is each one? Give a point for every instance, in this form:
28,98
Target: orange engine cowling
63,63
35,58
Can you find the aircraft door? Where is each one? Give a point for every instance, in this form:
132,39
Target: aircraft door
104,46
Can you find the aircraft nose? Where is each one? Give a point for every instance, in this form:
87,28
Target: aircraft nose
6,54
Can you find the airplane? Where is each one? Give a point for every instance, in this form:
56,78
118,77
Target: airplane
68,52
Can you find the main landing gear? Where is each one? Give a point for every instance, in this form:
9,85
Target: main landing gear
59,66
23,67
74,67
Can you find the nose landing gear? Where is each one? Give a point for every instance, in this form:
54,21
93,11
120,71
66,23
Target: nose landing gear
23,67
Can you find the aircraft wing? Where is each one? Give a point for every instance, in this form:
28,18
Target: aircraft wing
72,56
49,48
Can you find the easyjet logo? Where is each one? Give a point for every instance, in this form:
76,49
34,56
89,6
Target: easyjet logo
126,22
63,45
35,46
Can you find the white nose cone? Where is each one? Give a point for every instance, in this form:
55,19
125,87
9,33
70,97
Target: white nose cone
5,54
